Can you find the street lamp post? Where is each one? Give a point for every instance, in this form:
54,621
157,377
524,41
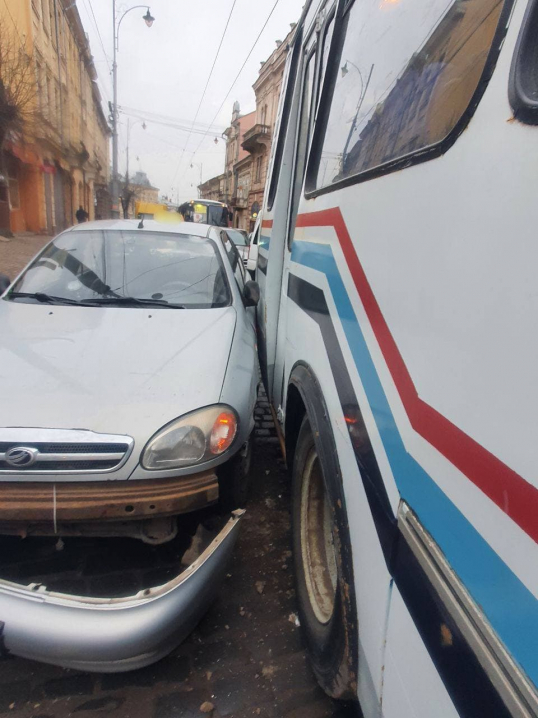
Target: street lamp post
148,19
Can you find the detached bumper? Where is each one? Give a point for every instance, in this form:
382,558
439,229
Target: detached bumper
113,635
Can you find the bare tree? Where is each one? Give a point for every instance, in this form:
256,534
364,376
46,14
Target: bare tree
17,91
128,193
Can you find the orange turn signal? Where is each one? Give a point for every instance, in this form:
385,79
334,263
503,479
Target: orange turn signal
223,432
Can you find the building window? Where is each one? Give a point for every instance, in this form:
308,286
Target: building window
39,82
45,15
264,115
392,97
52,23
50,100
259,162
13,181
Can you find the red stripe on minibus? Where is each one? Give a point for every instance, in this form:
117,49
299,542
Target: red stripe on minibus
510,491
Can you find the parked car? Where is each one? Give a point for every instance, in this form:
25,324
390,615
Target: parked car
241,240
128,382
254,239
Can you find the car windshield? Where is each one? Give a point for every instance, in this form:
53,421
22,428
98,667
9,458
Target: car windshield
122,266
237,237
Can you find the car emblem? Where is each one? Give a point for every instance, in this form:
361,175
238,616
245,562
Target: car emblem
21,456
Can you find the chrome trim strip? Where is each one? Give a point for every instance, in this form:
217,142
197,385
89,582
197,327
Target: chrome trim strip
103,456
27,436
516,690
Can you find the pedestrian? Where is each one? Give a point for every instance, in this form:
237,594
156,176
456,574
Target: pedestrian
81,214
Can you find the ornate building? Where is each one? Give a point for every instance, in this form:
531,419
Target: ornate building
248,144
60,160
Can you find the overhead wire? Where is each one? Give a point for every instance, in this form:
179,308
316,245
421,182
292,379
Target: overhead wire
237,77
14,23
98,32
147,115
140,115
205,88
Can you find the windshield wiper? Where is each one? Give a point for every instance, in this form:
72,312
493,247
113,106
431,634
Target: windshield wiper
134,301
45,298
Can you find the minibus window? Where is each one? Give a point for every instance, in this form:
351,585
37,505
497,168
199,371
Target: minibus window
302,139
524,72
280,131
327,37
406,75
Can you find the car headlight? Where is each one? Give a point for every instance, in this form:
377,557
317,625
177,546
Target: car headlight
192,439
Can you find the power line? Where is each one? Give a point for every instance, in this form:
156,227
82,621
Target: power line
14,24
205,88
98,31
162,119
237,76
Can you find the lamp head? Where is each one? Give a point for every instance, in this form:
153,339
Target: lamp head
148,18
343,69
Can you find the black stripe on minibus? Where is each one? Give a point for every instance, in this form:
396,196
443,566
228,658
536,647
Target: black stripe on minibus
468,685
311,299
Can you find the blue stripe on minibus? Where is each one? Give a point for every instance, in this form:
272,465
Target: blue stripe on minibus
509,606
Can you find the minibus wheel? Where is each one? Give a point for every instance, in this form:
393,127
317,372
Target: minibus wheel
322,555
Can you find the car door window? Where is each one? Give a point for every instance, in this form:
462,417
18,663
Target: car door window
235,259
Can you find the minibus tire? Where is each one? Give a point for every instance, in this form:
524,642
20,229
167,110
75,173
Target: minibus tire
331,641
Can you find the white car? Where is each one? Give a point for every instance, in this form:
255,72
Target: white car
128,382
247,246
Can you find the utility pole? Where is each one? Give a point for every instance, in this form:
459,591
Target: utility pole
115,187
148,19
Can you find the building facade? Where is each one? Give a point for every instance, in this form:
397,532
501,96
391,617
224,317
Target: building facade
60,160
248,145
139,189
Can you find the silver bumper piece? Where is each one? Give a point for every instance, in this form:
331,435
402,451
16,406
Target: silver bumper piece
118,634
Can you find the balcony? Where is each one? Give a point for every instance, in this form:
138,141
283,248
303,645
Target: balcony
240,200
259,135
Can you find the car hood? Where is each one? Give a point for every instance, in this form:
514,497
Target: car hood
109,369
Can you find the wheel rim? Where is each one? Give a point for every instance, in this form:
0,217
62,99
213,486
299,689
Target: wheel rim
317,543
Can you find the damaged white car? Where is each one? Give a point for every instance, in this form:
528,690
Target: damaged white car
128,378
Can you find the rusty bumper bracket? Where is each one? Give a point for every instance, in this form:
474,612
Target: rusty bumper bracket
110,500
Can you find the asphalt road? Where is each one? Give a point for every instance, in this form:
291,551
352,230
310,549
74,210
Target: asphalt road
246,656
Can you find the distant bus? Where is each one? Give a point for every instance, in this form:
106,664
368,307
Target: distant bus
398,265
161,212
205,211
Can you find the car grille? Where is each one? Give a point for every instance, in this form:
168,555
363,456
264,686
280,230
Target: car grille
22,455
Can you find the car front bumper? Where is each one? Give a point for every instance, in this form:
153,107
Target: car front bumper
117,634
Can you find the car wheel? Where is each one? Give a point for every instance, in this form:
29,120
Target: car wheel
326,611
234,479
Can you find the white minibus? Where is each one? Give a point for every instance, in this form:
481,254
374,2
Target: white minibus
398,337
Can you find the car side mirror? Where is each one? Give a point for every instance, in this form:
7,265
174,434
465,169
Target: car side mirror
4,283
251,293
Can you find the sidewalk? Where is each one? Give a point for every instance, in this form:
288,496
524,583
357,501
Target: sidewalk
16,252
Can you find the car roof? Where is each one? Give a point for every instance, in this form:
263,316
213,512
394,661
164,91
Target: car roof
192,228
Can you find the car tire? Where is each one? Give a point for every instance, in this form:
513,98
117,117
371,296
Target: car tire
322,554
234,479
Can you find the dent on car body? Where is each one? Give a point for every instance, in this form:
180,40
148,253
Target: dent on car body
114,634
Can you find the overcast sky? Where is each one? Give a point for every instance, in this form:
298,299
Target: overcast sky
163,70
